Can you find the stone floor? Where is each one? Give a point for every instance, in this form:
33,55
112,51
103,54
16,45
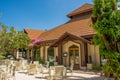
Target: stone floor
77,75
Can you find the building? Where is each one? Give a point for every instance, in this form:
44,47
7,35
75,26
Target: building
71,41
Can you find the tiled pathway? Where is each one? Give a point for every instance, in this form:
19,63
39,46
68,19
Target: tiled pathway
77,75
74,76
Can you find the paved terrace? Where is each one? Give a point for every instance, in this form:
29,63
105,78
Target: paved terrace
77,75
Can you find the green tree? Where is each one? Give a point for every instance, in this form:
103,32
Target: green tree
18,39
3,38
106,22
11,40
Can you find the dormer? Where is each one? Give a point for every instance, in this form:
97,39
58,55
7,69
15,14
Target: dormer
83,10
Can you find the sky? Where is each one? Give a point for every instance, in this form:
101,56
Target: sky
37,14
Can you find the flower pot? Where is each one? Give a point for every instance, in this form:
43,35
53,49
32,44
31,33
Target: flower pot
55,63
89,66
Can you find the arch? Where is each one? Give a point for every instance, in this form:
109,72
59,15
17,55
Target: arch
73,46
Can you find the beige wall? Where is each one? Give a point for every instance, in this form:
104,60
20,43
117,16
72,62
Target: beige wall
65,48
93,51
97,55
41,52
55,52
46,52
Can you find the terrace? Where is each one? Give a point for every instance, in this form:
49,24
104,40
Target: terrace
18,70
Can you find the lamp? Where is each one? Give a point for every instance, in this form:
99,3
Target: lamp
65,54
65,58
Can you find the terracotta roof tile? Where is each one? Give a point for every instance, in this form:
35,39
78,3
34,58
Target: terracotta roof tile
86,7
70,36
79,27
33,33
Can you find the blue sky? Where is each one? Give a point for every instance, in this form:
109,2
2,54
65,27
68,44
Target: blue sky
37,14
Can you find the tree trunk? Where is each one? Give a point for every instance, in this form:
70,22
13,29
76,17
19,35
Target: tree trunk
107,45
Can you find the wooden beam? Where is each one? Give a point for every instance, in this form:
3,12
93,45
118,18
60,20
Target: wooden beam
60,54
44,53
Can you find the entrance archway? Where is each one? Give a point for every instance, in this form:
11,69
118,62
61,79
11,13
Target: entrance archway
74,55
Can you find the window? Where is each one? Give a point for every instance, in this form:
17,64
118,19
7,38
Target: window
22,53
36,53
50,53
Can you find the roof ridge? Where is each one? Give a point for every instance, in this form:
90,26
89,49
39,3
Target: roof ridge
74,12
33,29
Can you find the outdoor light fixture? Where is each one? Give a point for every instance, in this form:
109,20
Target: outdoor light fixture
64,54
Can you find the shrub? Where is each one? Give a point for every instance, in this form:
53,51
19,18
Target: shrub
51,64
41,61
112,69
96,68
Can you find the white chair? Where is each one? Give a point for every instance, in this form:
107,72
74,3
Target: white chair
37,65
24,65
18,65
7,63
32,69
36,62
47,65
51,73
59,71
71,67
4,76
13,72
43,70
55,63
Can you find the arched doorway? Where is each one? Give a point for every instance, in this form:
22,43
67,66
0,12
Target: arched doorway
74,55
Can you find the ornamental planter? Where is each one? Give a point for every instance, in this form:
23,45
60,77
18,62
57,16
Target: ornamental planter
89,66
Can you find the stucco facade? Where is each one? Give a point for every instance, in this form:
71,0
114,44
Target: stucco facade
93,52
93,55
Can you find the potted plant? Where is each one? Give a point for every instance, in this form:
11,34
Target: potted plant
89,64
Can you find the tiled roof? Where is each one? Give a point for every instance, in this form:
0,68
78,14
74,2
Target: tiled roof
82,9
70,36
33,33
79,27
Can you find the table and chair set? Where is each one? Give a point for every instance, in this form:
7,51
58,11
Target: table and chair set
47,72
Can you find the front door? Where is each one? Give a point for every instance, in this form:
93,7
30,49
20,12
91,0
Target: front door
74,55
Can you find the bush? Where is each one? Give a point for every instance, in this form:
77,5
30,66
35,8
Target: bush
51,64
3,55
96,68
41,61
112,69
51,60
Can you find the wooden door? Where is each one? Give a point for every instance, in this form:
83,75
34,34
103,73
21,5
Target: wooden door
74,55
